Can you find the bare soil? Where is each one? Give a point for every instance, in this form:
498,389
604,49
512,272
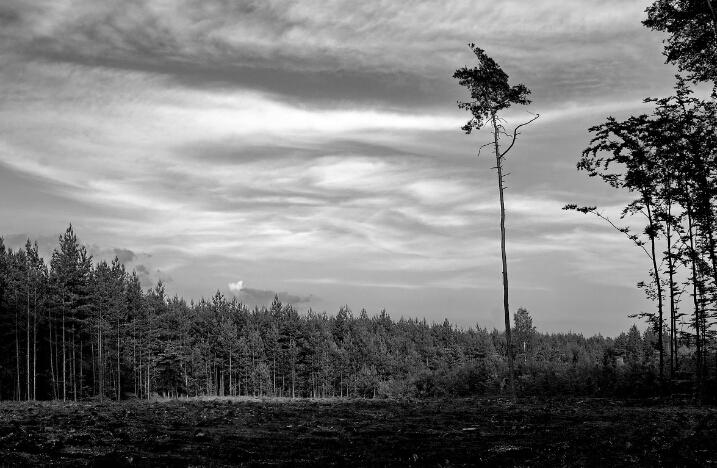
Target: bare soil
468,432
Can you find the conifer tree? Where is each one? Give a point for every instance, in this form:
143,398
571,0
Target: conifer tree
70,271
490,95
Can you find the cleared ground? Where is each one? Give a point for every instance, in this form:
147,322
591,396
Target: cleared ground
489,432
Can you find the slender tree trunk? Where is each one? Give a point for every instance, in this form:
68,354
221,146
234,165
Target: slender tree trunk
712,250
147,376
74,367
658,285
506,308
671,271
51,342
94,367
695,294
34,351
292,344
82,365
134,354
119,382
64,358
140,382
191,390
18,387
704,316
27,336
100,363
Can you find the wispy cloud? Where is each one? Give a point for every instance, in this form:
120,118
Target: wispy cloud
312,143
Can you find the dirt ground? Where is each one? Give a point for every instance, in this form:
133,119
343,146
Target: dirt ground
473,432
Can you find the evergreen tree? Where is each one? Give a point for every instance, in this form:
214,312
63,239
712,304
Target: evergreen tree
491,94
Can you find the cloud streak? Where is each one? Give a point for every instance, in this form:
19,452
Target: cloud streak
197,142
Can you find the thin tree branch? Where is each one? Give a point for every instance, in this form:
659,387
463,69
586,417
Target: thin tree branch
624,231
516,133
483,146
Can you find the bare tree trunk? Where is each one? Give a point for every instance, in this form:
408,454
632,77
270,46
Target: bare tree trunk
506,308
658,284
712,250
34,351
134,354
74,367
27,335
695,294
53,375
100,363
119,382
94,367
703,290
671,271
82,362
64,357
186,375
18,387
293,368
140,382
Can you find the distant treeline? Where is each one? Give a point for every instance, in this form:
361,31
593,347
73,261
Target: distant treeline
77,329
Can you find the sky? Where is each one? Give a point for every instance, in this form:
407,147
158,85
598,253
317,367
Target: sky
313,149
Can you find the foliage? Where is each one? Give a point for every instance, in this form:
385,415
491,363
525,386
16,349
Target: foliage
692,29
132,342
668,160
489,90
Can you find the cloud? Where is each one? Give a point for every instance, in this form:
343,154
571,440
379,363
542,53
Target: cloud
376,52
124,255
237,286
200,134
253,296
149,276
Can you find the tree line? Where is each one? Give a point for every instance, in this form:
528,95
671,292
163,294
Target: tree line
75,328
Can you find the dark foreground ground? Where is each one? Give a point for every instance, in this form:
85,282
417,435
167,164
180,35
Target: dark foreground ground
489,432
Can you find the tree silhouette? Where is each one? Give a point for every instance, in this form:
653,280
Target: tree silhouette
631,145
669,160
692,29
491,94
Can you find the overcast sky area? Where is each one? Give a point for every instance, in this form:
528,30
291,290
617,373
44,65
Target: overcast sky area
314,148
